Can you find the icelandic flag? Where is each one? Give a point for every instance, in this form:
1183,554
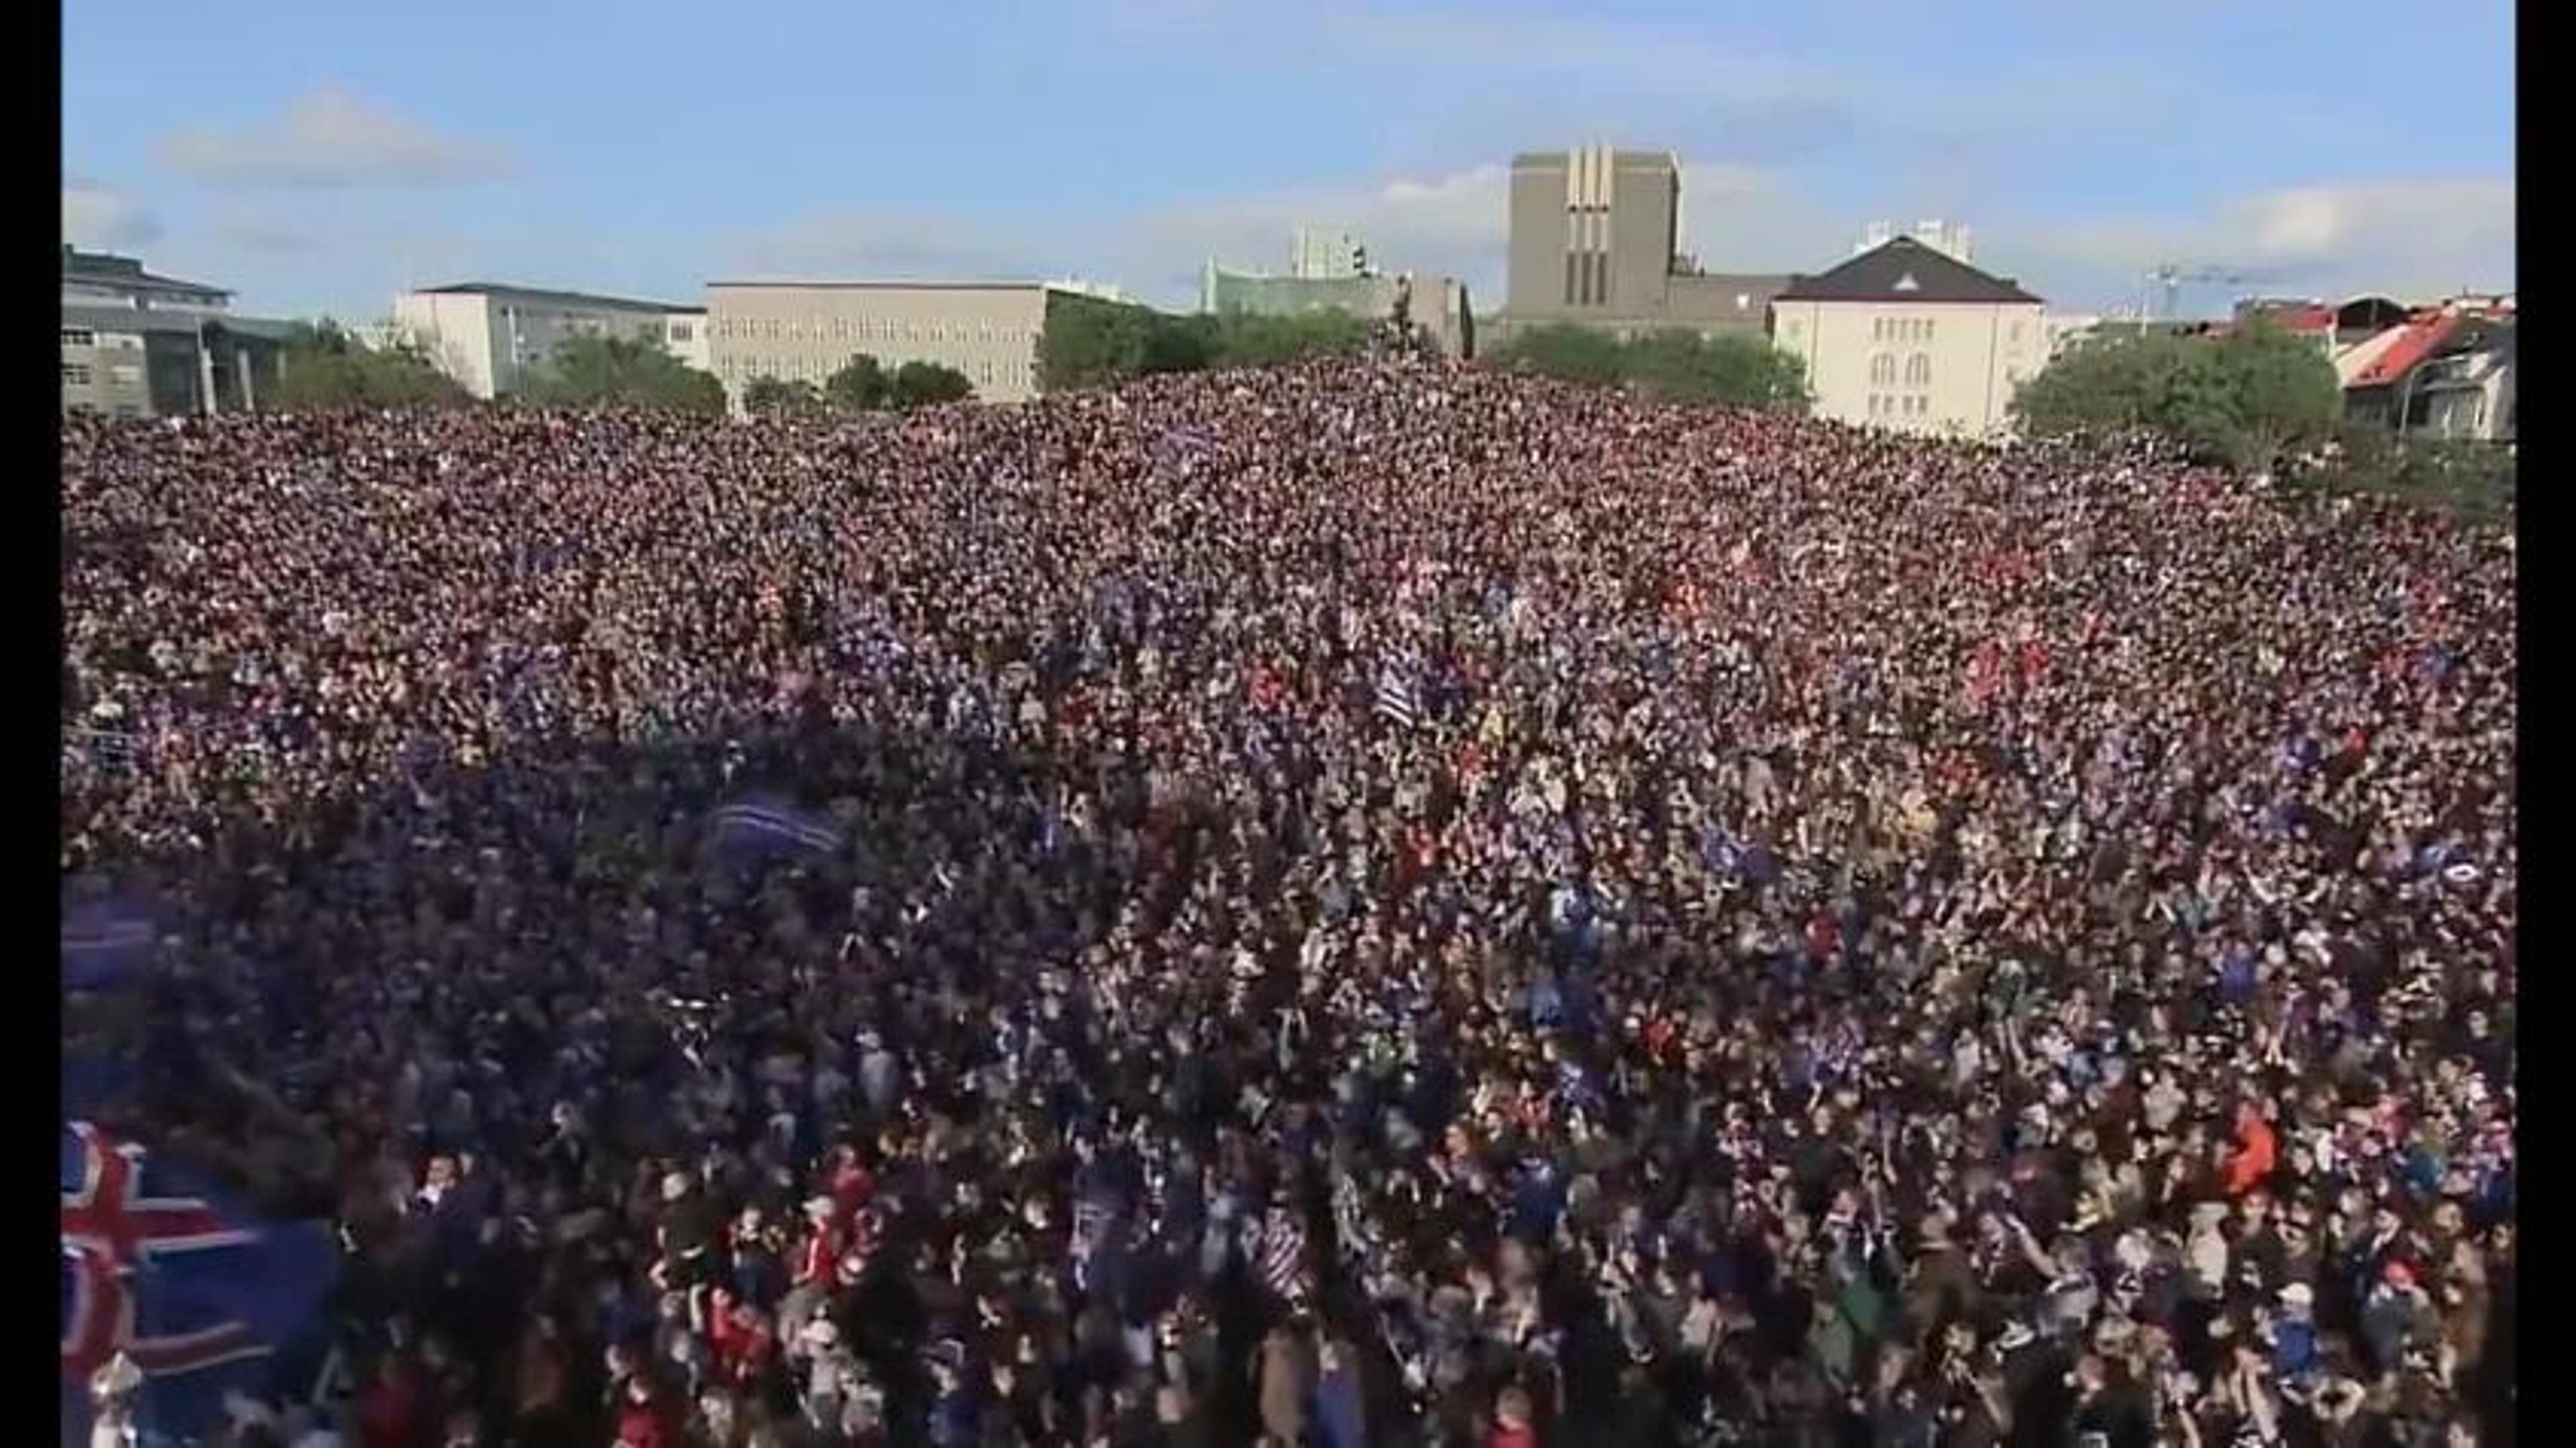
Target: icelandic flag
761,828
108,941
201,1299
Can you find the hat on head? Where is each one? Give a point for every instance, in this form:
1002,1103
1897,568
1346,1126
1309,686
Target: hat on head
2299,1294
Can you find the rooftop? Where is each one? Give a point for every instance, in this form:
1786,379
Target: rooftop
548,296
1906,270
891,286
104,269
133,323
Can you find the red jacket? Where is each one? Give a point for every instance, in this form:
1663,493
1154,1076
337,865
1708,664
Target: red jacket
389,1415
816,1256
2259,1151
642,1425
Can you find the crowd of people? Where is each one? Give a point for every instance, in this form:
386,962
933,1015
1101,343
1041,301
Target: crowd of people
1371,903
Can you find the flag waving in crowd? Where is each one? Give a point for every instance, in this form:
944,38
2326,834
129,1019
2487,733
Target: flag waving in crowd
172,1301
759,829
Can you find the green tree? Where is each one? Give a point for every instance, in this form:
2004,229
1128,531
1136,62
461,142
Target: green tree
2278,394
324,368
860,386
1732,369
1729,369
920,384
1088,342
2251,397
772,397
609,371
1241,339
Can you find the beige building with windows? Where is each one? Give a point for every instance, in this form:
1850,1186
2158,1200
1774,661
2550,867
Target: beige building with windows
493,337
806,331
1908,338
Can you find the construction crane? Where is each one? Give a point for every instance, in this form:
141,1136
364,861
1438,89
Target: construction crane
2172,277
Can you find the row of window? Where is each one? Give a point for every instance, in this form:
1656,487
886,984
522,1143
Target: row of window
1919,329
1918,370
113,341
79,374
983,372
862,329
1882,405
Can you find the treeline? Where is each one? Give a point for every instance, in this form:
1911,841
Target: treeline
1730,369
1089,342
2261,401
324,368
861,385
2252,398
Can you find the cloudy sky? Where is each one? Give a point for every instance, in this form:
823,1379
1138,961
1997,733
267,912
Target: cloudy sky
322,157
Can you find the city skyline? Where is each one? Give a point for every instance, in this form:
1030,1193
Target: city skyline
318,159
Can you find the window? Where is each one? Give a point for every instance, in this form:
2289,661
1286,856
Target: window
1918,370
1882,370
2015,334
76,374
79,337
683,332
125,374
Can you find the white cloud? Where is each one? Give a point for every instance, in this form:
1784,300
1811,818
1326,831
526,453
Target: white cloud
2408,238
94,216
329,140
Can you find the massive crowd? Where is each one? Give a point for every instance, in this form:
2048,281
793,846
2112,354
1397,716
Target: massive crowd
1374,903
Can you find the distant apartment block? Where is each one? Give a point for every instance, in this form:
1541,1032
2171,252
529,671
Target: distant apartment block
137,344
493,337
1595,242
1326,254
1439,305
804,331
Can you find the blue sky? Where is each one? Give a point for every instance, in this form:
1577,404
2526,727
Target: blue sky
322,157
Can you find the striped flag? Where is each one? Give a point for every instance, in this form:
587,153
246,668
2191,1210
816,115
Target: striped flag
1398,701
108,940
1283,1252
762,828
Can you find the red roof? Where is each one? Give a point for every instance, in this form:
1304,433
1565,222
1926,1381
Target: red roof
2423,334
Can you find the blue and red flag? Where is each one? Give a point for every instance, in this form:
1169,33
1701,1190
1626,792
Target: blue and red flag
203,1298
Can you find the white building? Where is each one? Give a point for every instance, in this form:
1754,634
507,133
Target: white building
1326,254
492,338
1909,338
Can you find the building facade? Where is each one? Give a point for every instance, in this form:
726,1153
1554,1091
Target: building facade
806,331
1439,305
1595,239
135,344
1909,339
1326,254
494,338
